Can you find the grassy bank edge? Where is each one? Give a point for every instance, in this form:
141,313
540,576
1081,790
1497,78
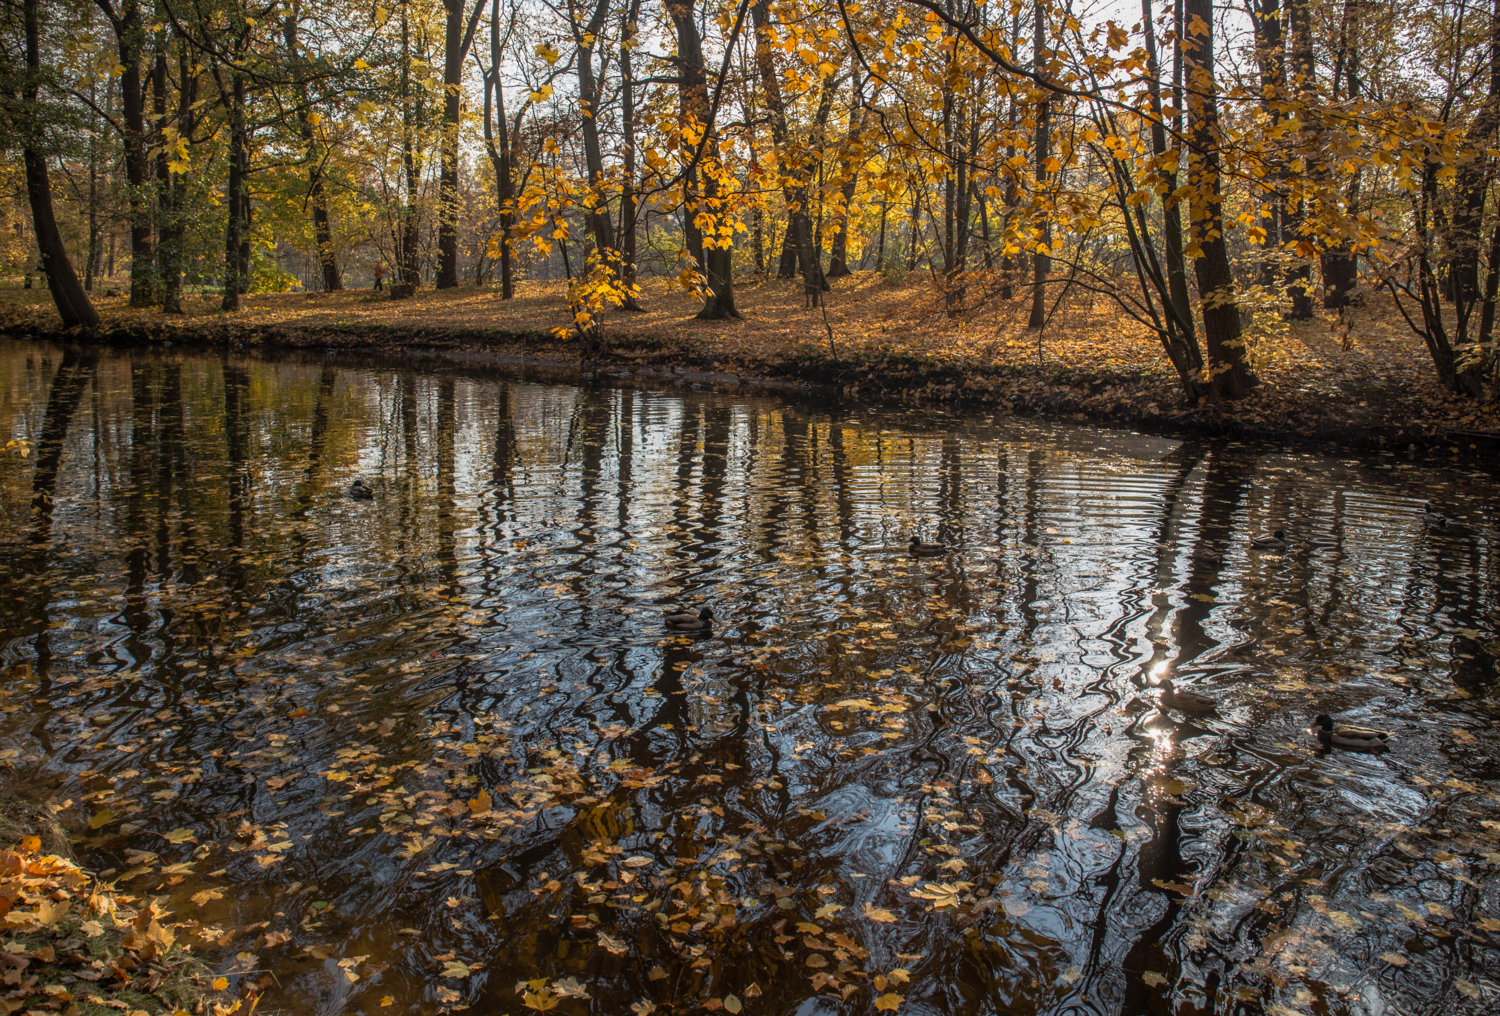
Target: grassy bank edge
1144,399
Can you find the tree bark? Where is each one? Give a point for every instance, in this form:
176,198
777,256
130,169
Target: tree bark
316,194
457,39
1228,362
1299,276
130,41
236,227
1042,262
72,302
702,188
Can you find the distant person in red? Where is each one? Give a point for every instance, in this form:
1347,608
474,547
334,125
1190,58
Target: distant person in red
379,276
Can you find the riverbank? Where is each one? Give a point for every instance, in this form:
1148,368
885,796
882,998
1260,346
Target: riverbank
75,944
1363,381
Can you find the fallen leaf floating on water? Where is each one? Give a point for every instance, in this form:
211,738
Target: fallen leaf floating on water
891,1001
1153,978
1395,959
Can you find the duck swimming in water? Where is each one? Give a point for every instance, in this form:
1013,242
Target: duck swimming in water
1269,541
1431,517
1184,700
1345,735
919,549
360,492
687,621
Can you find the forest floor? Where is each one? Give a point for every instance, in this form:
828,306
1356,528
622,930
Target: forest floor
1362,380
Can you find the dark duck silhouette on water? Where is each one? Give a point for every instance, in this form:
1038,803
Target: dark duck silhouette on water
688,621
1344,735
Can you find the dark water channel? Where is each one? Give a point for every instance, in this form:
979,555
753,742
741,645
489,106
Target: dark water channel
425,748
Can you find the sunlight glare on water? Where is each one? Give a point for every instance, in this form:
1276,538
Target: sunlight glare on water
439,743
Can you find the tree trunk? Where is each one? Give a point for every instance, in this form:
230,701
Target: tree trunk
322,226
413,112
629,208
72,302
173,226
1270,55
1042,263
130,39
850,160
702,188
237,199
1180,307
1228,363
1299,276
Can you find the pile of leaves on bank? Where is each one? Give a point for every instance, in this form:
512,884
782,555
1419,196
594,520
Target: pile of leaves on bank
73,945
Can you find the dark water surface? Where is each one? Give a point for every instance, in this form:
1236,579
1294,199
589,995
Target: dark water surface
435,745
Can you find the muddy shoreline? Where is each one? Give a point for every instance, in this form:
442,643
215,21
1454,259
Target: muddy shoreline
1149,402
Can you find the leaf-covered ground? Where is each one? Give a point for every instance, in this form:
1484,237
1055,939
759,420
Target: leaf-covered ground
1364,379
71,943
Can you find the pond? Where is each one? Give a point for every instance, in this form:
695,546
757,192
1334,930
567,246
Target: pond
437,749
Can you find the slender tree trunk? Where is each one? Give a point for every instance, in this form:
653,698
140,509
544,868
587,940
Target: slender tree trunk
850,159
316,194
236,202
453,63
130,36
72,302
1299,276
1228,362
413,113
91,263
1181,307
1270,55
174,228
629,207
1042,260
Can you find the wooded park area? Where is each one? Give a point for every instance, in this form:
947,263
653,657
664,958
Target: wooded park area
1210,172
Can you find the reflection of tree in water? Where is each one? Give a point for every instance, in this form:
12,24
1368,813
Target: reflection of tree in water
320,601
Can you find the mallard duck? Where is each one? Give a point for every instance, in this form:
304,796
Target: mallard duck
686,621
1185,701
1269,541
360,492
1327,734
1431,517
919,549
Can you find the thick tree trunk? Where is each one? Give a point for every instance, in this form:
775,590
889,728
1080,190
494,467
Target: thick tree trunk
1228,362
703,188
457,39
72,302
